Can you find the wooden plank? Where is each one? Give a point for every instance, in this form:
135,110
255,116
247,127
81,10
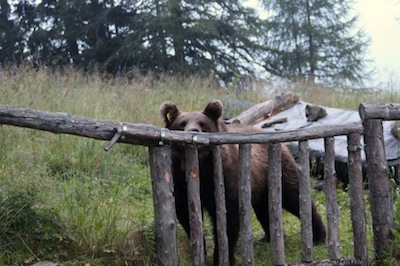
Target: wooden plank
219,192
384,111
246,236
305,202
194,204
275,204
357,205
164,205
380,201
332,210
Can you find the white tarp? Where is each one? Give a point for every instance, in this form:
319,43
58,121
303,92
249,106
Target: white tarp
296,119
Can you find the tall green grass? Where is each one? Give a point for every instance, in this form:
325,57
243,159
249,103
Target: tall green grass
62,198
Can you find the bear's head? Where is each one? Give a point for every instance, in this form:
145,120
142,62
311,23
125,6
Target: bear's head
206,121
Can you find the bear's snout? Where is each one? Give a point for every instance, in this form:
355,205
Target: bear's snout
193,125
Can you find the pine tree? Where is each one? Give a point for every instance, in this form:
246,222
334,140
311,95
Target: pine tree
11,37
169,36
314,40
197,37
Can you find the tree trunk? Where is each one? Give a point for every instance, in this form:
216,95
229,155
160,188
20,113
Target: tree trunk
311,48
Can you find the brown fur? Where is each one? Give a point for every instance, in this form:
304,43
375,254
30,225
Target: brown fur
210,121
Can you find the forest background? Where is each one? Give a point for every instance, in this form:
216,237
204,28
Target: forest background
316,41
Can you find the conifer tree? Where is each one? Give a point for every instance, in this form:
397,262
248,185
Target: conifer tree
169,36
314,40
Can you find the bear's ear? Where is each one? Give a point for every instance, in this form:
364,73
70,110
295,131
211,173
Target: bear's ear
169,111
214,110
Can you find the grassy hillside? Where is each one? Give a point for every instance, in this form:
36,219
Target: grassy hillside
62,198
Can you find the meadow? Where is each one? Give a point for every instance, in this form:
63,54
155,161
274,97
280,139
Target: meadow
64,199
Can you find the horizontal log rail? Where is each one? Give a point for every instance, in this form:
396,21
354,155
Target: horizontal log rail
148,135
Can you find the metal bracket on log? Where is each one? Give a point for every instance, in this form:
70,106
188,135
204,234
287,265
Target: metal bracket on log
163,136
355,148
120,134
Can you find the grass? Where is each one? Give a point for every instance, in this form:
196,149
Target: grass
62,198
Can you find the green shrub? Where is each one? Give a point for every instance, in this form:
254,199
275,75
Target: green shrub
29,231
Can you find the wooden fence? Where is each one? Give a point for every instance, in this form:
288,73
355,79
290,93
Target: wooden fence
158,140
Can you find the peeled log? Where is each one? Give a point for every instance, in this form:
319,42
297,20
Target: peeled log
265,109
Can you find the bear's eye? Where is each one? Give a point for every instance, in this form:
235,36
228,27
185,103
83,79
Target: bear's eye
182,124
203,126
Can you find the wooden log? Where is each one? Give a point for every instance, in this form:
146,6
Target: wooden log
273,121
194,204
284,136
219,193
266,109
384,111
148,135
380,201
305,202
57,122
275,204
270,137
332,211
357,205
137,134
164,205
246,236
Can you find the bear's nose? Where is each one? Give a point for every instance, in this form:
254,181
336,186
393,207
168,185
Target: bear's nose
194,129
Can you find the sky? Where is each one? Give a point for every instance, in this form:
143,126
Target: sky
381,22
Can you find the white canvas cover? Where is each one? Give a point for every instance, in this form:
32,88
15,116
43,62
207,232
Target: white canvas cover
296,119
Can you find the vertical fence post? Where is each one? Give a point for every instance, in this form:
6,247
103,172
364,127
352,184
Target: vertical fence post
357,205
305,202
332,211
275,203
164,205
194,204
378,178
246,243
219,193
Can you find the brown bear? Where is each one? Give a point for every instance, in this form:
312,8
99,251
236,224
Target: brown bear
210,121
